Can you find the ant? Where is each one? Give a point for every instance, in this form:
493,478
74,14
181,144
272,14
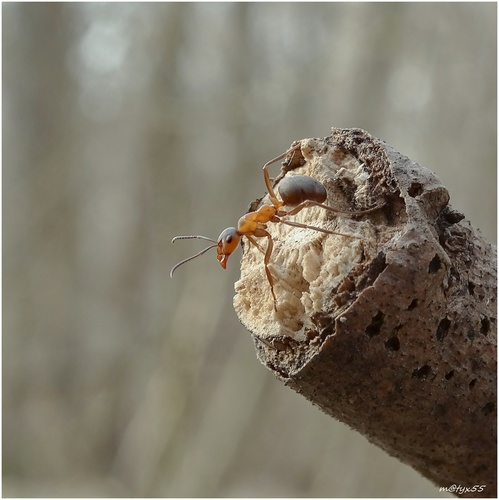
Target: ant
298,191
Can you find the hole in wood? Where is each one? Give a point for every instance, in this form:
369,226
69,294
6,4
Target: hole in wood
375,326
443,328
393,344
422,373
485,325
413,305
435,264
488,408
415,190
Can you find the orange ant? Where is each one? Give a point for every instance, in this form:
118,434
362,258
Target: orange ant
300,191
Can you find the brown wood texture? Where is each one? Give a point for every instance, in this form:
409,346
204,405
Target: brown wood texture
399,342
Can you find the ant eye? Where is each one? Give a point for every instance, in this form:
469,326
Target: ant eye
229,239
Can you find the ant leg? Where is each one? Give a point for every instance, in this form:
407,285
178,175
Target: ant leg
260,233
306,226
273,198
252,240
266,261
311,203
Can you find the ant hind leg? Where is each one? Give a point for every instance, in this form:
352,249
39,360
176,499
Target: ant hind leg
311,203
273,198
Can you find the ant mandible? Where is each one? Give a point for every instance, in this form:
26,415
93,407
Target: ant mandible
299,191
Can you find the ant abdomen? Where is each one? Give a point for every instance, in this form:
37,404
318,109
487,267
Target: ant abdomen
295,189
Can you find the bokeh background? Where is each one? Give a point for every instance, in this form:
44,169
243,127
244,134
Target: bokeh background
125,124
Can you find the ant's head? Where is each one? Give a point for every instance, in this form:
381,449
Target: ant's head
227,243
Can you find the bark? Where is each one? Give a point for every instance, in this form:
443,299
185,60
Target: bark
391,326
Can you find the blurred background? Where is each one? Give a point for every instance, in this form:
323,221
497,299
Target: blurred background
125,124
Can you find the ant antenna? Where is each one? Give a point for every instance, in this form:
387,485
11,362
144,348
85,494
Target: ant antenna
192,237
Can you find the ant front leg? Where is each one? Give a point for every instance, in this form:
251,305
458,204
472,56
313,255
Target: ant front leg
254,242
273,198
268,252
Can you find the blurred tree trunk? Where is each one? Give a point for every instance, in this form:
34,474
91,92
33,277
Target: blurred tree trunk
38,230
